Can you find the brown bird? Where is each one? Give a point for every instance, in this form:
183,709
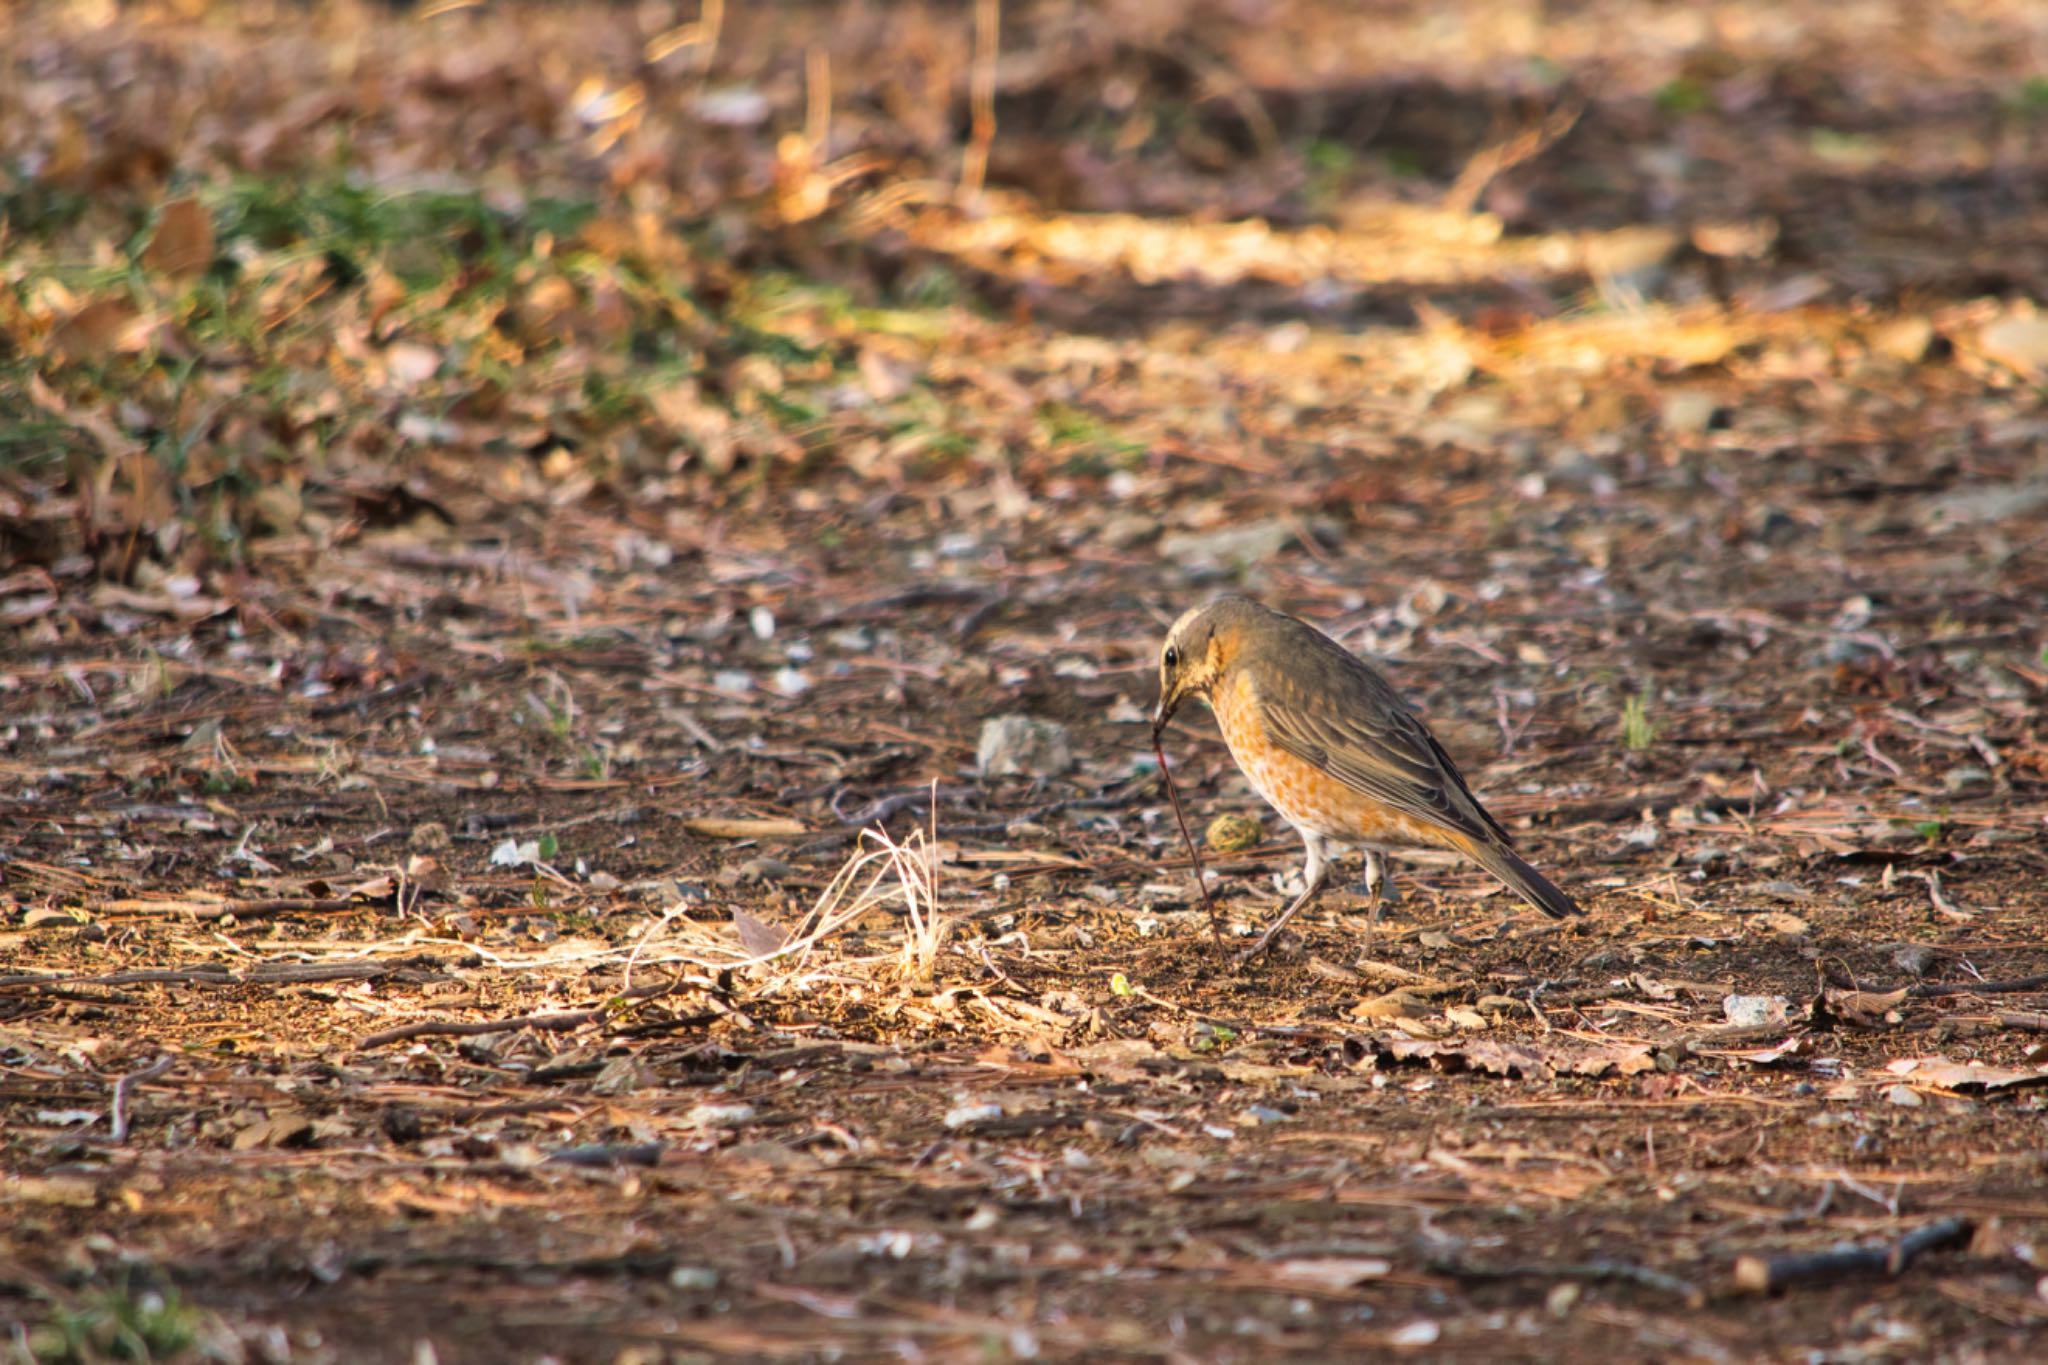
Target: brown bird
1332,747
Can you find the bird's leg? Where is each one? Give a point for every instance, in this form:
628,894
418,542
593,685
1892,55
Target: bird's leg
1379,879
1379,891
1314,874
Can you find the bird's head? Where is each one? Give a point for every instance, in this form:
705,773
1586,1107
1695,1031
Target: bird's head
1197,651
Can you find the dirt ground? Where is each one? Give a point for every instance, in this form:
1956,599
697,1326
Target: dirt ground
436,922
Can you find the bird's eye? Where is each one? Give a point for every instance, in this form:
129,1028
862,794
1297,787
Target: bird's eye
1172,657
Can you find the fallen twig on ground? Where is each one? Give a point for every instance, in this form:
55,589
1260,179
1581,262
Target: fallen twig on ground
1769,1274
547,1023
117,1116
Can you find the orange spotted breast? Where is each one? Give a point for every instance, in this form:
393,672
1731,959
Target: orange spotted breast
1306,796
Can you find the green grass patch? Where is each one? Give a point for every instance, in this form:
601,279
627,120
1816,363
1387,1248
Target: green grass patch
1637,732
2031,97
117,1322
424,236
1682,96
1084,443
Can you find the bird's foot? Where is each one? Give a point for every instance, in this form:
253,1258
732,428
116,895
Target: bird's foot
1386,893
1264,942
1280,922
1290,885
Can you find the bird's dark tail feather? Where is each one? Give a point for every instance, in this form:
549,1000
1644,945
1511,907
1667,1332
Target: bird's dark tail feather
1524,880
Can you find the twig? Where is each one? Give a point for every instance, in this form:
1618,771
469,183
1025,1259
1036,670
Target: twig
1768,1275
818,100
261,974
1026,1124
924,594
880,810
884,808
253,910
443,1028
1490,162
1927,990
638,1263
1602,1269
117,1118
976,616
361,705
547,1023
1611,809
604,1154
1932,990
694,728
207,975
1942,905
1194,855
981,95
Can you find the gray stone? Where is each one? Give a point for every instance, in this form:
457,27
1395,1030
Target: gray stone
1755,1011
1991,503
1022,744
761,869
1966,781
2018,342
1230,547
1913,959
1689,411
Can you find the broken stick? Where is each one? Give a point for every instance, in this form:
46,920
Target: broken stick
1768,1275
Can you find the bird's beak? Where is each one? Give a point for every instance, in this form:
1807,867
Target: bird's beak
1163,713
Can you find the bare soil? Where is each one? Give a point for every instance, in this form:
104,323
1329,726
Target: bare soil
366,853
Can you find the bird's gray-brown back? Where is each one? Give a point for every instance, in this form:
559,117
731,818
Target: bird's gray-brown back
1326,706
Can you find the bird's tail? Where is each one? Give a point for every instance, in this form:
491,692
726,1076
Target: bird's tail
1522,879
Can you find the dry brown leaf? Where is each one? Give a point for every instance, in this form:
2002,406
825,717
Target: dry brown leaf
102,328
1332,1272
277,1130
1781,922
2018,341
183,241
1867,1002
1531,1061
1791,1048
1393,1005
756,936
1499,1059
1967,1077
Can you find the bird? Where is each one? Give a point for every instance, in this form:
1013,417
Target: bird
1330,745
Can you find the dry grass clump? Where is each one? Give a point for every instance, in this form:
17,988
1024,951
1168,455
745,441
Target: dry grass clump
884,875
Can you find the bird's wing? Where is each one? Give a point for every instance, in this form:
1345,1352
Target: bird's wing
1327,707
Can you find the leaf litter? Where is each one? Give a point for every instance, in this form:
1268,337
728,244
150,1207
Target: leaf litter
662,460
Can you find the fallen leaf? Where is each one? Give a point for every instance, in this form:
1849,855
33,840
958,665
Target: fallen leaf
1801,1046
1781,922
1332,1272
757,937
100,329
1530,1061
1967,1077
277,1130
2019,342
1395,1004
183,241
